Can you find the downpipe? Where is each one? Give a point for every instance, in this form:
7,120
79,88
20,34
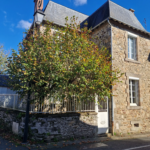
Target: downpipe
112,86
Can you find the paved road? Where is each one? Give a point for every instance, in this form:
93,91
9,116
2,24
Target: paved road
130,144
6,145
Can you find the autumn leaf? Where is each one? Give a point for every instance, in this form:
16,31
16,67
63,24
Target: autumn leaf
67,62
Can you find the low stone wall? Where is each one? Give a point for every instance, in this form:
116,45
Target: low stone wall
53,127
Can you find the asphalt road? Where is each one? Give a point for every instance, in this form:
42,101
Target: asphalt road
6,145
130,144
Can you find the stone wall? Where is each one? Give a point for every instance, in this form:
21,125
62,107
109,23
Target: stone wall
102,37
53,127
129,119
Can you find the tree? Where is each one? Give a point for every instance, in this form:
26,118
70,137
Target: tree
3,59
62,63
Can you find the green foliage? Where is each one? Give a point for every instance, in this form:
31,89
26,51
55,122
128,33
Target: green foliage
33,118
7,112
30,132
62,64
3,60
71,139
55,140
48,134
20,115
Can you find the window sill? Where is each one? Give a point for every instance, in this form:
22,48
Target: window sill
131,60
134,107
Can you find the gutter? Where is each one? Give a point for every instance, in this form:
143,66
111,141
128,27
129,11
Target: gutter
112,86
107,19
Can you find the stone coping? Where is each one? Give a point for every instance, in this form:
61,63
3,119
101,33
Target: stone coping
63,114
68,114
11,110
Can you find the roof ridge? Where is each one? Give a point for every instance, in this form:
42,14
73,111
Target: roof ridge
109,7
66,7
98,9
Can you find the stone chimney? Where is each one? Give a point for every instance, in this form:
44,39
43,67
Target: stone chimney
132,10
38,5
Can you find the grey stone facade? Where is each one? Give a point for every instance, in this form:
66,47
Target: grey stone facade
131,119
127,119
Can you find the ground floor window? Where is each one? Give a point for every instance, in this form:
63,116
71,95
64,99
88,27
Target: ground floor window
134,92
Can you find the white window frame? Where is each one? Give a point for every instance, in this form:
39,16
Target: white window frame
131,35
137,94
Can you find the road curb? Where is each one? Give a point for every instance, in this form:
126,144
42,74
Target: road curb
136,136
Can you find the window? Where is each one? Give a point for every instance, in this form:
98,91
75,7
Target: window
132,50
134,92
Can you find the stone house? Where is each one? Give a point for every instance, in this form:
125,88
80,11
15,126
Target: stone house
120,31
122,34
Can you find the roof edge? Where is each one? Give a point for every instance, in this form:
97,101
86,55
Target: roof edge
128,11
148,33
109,7
65,7
101,23
46,6
130,25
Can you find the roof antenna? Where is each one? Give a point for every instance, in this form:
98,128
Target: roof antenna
145,22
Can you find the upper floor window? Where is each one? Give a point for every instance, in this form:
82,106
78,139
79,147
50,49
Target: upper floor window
132,49
134,92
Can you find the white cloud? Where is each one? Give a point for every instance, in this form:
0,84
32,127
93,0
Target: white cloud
19,14
24,24
12,25
11,29
80,2
4,12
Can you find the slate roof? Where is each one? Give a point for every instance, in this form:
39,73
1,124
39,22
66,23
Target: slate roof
4,79
111,10
57,13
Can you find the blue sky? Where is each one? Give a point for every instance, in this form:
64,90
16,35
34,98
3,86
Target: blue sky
16,15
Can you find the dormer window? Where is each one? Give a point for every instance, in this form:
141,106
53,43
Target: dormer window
132,46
